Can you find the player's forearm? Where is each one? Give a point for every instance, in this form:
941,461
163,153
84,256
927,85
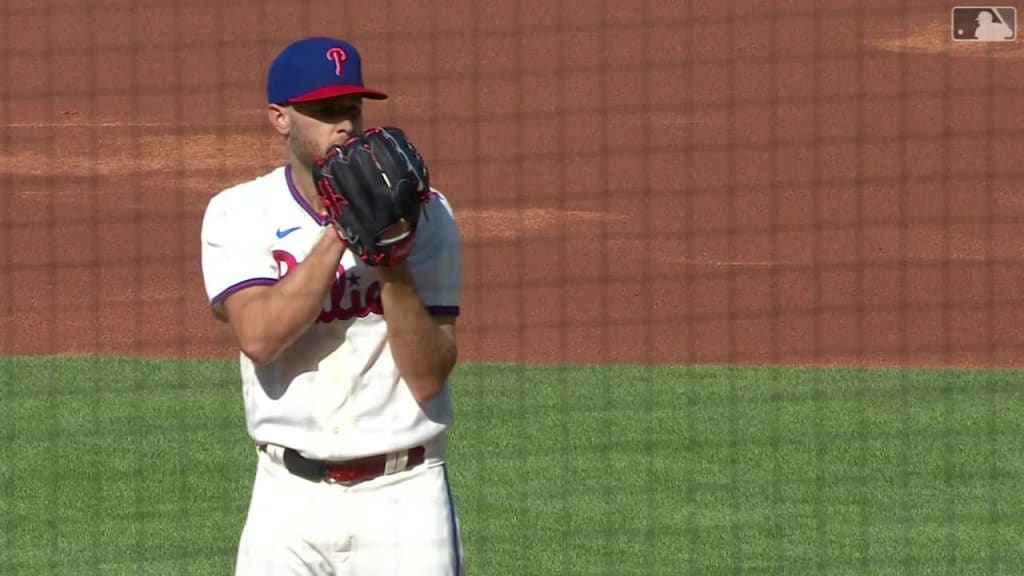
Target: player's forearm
278,316
423,351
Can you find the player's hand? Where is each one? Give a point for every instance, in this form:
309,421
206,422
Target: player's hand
374,187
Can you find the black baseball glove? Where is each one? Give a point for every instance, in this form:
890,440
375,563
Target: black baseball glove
374,187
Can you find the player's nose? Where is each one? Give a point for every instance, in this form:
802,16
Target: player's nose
343,132
347,129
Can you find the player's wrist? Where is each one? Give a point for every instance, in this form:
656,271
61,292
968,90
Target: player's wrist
331,236
395,274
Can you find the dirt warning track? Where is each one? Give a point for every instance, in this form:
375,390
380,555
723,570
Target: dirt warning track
725,182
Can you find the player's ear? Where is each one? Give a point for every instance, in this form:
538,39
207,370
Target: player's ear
279,118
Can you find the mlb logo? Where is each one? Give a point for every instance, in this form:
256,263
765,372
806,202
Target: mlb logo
984,23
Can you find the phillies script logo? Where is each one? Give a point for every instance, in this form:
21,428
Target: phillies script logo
347,299
338,56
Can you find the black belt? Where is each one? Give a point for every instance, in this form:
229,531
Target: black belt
348,472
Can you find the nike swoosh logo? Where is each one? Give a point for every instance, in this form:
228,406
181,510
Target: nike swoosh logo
283,233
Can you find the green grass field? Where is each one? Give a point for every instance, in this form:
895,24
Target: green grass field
132,467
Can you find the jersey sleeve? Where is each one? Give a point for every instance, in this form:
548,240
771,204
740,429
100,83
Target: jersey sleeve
232,259
436,260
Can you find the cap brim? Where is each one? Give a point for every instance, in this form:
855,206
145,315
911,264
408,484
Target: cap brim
338,90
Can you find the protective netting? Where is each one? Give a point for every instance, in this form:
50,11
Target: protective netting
651,182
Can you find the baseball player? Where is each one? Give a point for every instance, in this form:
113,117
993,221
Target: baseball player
344,362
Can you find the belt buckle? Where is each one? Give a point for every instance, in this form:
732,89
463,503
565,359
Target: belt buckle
363,471
341,476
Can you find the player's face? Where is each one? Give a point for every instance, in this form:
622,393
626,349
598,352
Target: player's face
316,126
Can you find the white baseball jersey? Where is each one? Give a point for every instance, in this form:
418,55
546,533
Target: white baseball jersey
336,392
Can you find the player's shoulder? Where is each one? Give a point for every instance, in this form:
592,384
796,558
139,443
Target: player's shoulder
234,209
438,203
251,194
438,214
437,228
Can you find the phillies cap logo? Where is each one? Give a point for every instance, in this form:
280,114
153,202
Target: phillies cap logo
338,56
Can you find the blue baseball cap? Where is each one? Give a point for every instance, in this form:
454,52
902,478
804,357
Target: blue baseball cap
315,69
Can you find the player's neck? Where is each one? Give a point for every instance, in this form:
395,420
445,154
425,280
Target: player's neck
302,179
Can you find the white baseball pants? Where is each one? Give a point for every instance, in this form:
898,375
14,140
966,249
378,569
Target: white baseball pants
394,525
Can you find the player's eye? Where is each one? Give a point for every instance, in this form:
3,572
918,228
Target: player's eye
340,111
